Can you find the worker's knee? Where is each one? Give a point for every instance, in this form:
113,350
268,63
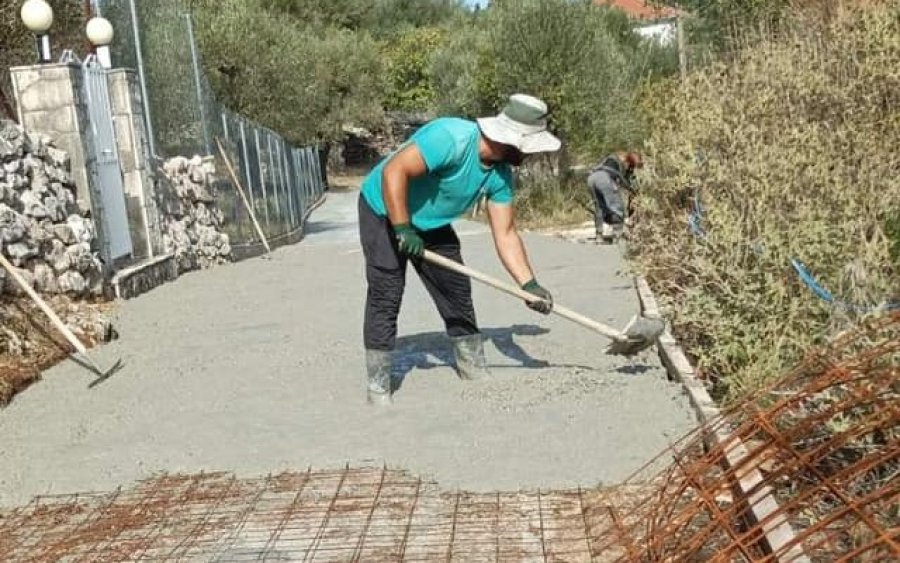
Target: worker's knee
385,286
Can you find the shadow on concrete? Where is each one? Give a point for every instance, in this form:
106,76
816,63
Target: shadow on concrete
313,227
634,369
103,375
429,350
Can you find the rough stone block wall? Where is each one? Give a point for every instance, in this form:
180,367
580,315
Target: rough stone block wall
43,232
50,100
192,220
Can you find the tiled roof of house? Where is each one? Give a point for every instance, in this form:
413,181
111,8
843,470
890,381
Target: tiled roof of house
641,9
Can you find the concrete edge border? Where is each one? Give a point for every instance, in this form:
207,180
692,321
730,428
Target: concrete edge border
778,534
141,278
316,204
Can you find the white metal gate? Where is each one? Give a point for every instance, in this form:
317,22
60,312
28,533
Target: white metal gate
108,197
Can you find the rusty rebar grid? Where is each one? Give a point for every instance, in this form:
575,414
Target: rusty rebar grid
824,443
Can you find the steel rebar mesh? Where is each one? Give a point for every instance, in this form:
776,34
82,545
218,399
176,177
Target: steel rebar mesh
807,468
806,471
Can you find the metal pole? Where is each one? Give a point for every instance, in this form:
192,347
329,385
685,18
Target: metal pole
43,48
285,183
274,174
317,170
142,75
311,192
311,156
300,199
247,165
682,48
301,156
195,59
291,182
301,185
262,179
309,174
280,173
304,171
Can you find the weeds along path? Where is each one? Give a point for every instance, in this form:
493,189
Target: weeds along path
257,367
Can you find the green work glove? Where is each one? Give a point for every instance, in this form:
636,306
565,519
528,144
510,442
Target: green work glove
534,288
408,240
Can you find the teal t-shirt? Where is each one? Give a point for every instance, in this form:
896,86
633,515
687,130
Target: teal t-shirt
455,180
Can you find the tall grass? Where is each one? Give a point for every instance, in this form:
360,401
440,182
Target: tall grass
551,199
792,150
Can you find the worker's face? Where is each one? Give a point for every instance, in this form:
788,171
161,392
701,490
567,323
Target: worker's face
513,156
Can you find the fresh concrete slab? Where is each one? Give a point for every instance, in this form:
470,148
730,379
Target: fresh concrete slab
257,367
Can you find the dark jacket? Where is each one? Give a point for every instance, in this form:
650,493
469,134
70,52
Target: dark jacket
617,171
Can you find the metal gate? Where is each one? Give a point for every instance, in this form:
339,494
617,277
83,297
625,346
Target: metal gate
108,192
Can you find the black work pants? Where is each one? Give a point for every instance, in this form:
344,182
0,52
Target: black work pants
386,278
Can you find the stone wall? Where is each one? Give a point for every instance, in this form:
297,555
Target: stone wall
50,100
43,232
363,148
192,222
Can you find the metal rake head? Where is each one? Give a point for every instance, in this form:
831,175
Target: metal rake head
640,334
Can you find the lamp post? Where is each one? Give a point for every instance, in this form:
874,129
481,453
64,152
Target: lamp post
37,16
100,34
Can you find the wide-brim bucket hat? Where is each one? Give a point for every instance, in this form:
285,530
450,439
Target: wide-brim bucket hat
521,124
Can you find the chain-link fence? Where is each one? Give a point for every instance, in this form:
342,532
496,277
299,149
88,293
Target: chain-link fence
281,181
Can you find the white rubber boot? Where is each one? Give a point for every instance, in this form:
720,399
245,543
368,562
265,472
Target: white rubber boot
470,362
378,366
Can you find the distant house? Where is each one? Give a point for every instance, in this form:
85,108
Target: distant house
652,21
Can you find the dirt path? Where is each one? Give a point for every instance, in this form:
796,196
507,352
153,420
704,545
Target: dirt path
257,367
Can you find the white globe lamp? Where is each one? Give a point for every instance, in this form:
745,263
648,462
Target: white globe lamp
37,15
100,33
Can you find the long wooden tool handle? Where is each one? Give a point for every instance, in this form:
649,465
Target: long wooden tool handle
57,322
607,331
240,190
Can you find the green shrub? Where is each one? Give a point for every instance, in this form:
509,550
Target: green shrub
407,63
545,199
460,86
726,24
389,18
793,149
583,60
303,81
306,69
571,54
340,14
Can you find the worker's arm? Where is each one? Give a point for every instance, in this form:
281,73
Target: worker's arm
511,251
399,170
510,247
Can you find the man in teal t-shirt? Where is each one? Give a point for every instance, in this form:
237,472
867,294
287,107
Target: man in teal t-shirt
408,203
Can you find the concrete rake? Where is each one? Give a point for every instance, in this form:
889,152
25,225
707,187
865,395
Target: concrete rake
640,332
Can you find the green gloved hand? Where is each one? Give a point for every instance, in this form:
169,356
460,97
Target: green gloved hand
534,288
408,240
